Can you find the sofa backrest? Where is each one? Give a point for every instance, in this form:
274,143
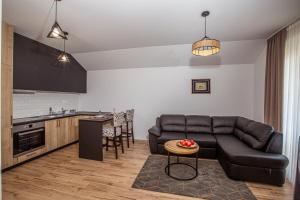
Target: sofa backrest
173,123
223,125
198,124
255,134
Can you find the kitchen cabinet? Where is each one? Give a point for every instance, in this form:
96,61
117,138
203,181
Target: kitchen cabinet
51,133
60,132
63,133
6,96
36,68
56,133
32,154
74,128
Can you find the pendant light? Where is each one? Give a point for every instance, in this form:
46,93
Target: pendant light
56,31
63,57
206,46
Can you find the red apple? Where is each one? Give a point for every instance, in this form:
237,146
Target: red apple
182,142
188,143
192,142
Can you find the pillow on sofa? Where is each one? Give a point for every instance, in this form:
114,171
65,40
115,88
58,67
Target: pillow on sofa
172,123
223,125
255,134
198,124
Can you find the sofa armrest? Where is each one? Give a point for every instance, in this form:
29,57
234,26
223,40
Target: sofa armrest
155,131
278,161
275,143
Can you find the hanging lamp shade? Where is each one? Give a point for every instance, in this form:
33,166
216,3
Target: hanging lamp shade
56,32
206,46
63,57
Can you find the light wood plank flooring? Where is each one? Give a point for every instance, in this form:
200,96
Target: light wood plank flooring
61,175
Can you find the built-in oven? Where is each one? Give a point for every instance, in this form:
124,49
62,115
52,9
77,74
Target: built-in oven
28,137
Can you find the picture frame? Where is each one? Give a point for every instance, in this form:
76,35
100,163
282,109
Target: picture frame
200,86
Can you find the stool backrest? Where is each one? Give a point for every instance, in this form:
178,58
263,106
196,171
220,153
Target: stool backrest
119,119
129,115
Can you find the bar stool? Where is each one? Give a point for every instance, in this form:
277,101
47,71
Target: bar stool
113,132
127,127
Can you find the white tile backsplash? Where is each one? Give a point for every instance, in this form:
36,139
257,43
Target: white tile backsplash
28,105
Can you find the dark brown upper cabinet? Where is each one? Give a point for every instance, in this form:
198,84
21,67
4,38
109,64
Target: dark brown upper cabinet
36,68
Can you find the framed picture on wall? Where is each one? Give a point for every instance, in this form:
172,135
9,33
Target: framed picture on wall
200,86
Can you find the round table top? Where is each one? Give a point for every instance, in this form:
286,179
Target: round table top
171,146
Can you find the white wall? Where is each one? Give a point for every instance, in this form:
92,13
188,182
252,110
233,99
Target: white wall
28,105
232,53
154,91
259,85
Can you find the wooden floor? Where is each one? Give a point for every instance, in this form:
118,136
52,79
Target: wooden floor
62,175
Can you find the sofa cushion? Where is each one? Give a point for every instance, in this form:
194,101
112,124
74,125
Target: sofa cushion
239,153
203,140
174,123
198,124
223,125
255,134
166,136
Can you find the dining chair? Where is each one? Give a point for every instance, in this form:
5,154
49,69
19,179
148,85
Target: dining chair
127,127
112,132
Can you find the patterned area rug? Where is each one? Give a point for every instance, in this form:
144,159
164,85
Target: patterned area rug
211,183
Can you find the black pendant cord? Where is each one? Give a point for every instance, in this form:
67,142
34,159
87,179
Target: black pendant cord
55,10
205,28
64,46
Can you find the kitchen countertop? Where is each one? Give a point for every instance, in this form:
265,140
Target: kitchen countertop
101,118
26,120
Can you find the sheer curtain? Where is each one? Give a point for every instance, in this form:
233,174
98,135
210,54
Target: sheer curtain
291,98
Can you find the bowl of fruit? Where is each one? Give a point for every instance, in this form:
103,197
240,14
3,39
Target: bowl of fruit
186,143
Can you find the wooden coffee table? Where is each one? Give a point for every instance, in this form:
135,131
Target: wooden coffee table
172,149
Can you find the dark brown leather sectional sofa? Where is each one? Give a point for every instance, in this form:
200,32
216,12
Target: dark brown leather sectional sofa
246,149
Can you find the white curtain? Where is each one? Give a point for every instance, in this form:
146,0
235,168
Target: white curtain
291,98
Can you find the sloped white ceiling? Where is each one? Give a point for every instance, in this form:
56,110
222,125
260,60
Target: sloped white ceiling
98,25
234,52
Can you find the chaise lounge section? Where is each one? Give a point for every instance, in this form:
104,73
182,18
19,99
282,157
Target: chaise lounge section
246,149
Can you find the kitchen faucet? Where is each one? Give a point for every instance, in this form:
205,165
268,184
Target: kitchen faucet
50,111
63,111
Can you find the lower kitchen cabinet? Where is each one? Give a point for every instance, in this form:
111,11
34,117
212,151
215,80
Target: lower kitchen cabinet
57,133
60,132
31,154
73,127
63,133
51,132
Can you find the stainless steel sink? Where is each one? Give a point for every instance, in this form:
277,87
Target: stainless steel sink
51,116
58,115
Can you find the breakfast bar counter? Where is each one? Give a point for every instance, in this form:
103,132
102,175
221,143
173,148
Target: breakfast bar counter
90,136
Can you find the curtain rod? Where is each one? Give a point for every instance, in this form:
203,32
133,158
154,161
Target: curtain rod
278,30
